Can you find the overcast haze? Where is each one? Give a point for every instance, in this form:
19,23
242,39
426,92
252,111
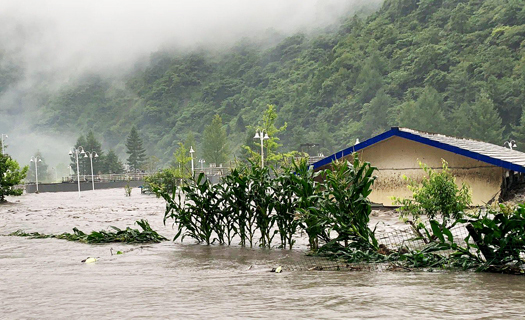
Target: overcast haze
59,40
80,35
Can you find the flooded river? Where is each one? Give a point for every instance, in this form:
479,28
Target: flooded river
44,278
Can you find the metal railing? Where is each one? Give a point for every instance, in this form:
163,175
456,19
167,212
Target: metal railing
107,177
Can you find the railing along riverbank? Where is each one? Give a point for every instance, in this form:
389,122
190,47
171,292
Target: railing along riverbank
107,177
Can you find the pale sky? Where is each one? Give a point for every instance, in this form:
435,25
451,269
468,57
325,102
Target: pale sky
105,33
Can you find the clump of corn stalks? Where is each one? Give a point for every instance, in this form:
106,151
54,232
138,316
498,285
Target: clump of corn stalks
128,235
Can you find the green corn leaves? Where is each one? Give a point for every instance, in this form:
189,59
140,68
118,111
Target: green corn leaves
128,235
256,204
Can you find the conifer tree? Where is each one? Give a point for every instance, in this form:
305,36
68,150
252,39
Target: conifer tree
89,143
112,163
83,166
215,143
485,124
375,117
92,145
460,117
426,113
137,153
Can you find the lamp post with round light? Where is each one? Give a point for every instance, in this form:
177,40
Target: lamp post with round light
91,155
192,166
511,144
3,148
76,152
261,135
36,160
201,161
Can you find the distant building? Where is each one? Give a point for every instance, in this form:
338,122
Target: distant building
487,168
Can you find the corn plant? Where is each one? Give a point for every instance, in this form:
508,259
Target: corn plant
237,201
285,205
262,204
227,216
201,206
344,206
310,216
292,190
128,235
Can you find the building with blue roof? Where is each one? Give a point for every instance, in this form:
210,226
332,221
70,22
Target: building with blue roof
485,167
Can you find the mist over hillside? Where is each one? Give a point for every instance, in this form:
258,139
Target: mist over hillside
451,66
49,47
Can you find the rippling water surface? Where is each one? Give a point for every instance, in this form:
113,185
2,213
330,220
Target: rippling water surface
44,279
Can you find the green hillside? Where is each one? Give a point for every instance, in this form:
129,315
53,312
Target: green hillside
449,66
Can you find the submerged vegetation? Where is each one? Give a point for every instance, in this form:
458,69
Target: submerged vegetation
331,206
128,235
436,195
256,204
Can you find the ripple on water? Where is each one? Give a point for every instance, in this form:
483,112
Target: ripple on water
44,279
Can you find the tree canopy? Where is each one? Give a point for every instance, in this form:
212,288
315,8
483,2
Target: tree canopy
432,65
10,175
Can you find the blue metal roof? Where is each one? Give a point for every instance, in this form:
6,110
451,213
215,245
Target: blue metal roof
478,150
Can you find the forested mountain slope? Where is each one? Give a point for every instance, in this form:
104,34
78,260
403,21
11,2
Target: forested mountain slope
449,66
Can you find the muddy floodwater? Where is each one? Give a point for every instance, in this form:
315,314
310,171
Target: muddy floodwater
45,279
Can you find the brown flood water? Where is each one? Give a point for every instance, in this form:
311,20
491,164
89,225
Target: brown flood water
44,279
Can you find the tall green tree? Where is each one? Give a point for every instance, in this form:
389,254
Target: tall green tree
271,146
376,114
112,163
480,120
181,163
10,175
215,143
92,145
83,166
137,153
426,113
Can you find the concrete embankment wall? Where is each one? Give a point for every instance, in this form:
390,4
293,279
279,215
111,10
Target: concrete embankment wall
71,187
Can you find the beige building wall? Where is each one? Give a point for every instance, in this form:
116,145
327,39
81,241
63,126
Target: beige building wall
397,156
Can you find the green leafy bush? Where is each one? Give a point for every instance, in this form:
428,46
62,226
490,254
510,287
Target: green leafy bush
10,176
437,195
499,236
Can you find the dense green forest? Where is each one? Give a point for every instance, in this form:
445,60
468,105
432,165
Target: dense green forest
450,66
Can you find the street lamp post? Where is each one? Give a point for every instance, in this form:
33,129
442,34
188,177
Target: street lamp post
201,161
92,154
192,167
261,135
511,144
36,160
3,136
76,151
